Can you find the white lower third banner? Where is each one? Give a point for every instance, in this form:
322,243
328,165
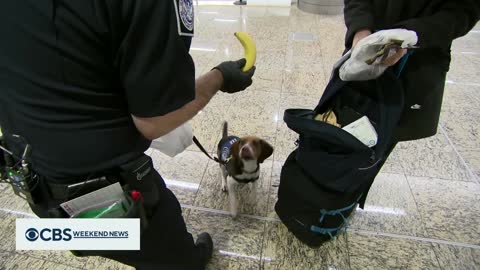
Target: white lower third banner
78,234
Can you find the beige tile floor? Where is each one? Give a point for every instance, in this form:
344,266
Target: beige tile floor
423,211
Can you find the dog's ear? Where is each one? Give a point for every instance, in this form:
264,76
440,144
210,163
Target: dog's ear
266,150
235,150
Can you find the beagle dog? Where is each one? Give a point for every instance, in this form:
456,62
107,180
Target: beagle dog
240,160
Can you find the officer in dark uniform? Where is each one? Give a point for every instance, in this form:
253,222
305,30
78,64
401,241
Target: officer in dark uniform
88,84
437,23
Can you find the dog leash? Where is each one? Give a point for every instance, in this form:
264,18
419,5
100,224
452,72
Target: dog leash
199,145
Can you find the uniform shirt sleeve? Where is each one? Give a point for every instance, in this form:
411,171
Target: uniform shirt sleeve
358,14
153,61
453,19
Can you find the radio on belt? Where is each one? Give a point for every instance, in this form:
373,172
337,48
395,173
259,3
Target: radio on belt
17,174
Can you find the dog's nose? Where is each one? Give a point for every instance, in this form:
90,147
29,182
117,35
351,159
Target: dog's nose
246,152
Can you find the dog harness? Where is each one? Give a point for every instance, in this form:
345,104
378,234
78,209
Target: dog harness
225,148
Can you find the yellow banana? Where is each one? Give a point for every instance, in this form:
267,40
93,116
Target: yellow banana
250,49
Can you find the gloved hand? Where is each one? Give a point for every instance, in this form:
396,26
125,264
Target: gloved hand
234,79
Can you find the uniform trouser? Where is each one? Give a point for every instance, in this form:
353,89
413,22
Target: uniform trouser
165,244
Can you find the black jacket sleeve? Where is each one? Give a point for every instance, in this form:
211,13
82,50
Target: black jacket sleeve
359,14
453,19
152,56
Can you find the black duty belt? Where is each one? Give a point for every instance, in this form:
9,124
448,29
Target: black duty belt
61,191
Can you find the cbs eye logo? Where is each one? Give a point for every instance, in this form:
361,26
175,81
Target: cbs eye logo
47,234
31,234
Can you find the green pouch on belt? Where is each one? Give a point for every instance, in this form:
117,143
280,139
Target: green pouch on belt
116,209
125,208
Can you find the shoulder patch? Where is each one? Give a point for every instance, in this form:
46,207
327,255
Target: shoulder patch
185,17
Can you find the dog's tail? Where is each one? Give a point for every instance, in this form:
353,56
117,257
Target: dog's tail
225,129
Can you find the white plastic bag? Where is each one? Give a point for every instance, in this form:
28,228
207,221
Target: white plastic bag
356,68
176,141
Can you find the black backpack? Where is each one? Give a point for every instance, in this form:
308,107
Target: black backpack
331,171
